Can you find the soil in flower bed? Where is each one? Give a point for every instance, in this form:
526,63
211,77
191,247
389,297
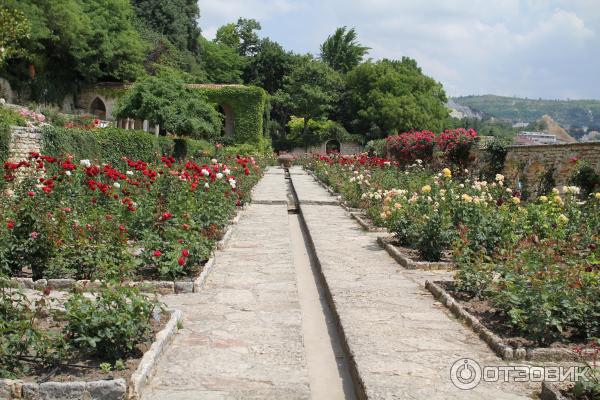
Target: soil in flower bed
414,255
497,321
88,369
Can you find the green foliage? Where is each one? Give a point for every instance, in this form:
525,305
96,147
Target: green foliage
4,147
386,97
484,127
175,19
586,178
241,36
341,51
494,156
318,132
376,147
15,28
311,90
75,41
165,100
268,66
248,104
564,112
227,35
112,325
221,63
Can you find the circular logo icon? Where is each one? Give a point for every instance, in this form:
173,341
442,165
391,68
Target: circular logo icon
465,374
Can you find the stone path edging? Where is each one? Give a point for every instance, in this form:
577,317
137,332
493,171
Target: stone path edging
407,262
494,341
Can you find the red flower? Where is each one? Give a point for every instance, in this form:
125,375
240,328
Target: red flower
157,253
181,261
185,252
185,227
46,291
30,194
122,228
10,224
166,216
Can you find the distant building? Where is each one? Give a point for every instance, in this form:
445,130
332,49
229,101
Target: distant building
525,138
519,125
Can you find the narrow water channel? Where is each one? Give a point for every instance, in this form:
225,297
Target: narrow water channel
329,375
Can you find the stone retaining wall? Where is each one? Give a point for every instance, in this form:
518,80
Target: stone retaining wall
530,163
23,141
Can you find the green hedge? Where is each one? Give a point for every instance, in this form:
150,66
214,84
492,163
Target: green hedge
4,146
248,104
110,144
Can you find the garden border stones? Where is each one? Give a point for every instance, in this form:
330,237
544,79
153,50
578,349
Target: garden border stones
496,343
407,262
112,389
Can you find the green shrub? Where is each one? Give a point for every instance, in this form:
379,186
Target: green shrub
4,147
377,147
586,179
112,325
9,116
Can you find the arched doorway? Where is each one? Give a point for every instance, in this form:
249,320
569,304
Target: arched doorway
228,123
332,146
98,108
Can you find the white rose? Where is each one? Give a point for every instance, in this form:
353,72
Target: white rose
219,175
85,163
129,173
227,171
68,173
117,185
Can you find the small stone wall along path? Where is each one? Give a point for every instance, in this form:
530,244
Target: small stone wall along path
243,333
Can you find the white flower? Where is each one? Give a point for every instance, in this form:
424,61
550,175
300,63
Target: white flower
117,185
206,185
219,175
499,177
2,101
85,163
387,163
68,173
214,161
129,173
205,172
227,171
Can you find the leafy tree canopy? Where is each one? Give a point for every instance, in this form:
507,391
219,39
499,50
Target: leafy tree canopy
269,66
311,90
242,36
221,63
341,51
15,28
164,99
387,96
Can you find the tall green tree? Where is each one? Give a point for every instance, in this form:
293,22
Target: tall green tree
73,42
176,19
15,28
221,63
268,66
241,36
386,97
311,90
228,35
341,51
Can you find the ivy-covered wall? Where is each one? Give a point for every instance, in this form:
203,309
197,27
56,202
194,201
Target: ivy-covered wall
248,104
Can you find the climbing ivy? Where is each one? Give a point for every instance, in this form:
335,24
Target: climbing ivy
248,104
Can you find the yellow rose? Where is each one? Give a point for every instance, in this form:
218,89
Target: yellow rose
466,198
555,191
562,218
516,200
558,200
447,173
397,206
597,195
426,189
543,199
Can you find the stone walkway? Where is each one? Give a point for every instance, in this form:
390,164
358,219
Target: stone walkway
243,334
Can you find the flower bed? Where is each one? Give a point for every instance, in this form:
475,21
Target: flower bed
535,263
56,345
134,221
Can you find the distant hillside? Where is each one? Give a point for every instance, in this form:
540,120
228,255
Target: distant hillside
555,129
567,113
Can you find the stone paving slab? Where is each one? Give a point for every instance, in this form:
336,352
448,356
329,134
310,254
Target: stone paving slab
308,190
271,188
242,335
402,341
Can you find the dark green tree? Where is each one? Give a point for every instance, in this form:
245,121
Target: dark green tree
249,41
228,35
268,66
341,51
164,99
15,29
176,19
387,97
311,90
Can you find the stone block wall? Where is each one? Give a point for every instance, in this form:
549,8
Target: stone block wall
23,141
529,163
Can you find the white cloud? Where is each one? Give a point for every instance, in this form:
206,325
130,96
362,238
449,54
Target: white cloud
532,48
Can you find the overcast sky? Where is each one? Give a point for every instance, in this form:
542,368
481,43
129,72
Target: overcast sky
528,48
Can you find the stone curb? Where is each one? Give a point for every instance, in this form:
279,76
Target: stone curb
407,262
270,202
144,371
319,202
201,280
111,389
504,351
366,224
550,392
